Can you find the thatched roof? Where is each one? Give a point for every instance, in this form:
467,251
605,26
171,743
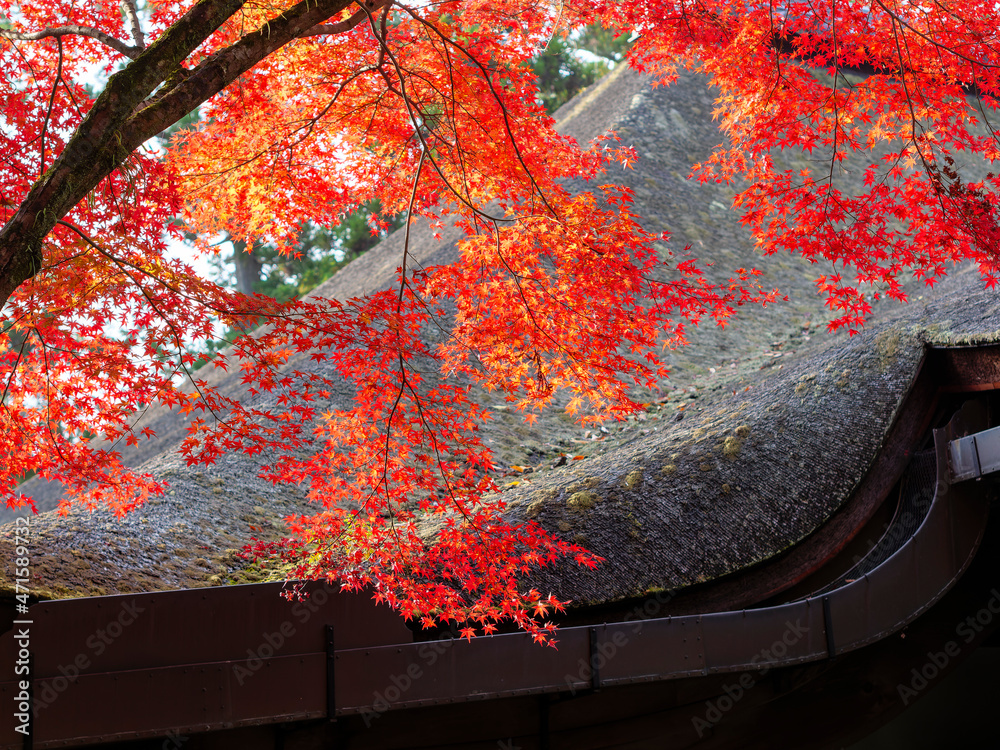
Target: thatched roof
756,465
762,432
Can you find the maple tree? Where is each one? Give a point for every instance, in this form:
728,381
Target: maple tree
309,110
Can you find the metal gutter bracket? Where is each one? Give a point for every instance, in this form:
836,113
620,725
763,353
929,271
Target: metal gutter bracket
331,673
974,456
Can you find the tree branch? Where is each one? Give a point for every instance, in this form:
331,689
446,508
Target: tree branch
96,148
346,25
124,116
133,21
74,30
213,74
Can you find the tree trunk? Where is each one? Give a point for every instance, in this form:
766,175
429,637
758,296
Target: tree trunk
248,266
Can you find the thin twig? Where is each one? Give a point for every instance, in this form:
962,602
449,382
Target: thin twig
410,106
175,333
52,99
496,97
406,234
